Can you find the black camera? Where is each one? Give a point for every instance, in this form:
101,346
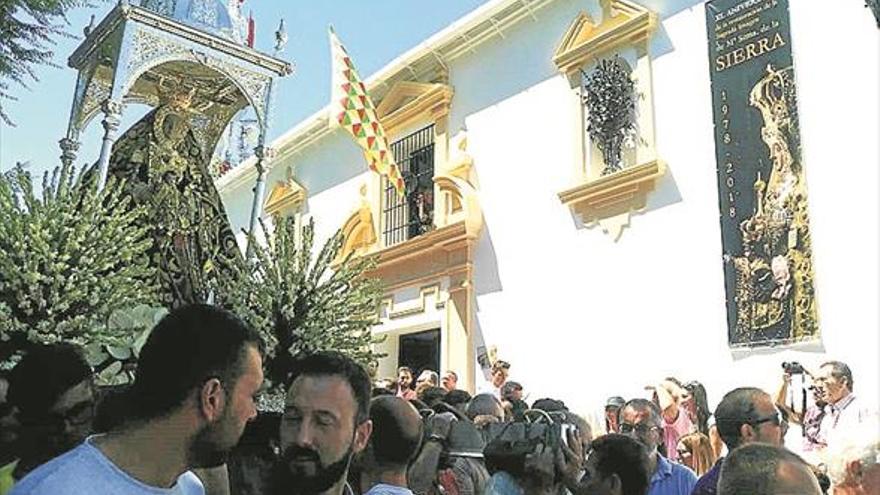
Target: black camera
793,368
509,444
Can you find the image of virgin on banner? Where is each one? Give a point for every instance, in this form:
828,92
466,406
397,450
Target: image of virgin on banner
765,229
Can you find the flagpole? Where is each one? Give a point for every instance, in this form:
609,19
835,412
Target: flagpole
261,150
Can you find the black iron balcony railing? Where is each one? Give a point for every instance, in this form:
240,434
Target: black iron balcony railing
411,215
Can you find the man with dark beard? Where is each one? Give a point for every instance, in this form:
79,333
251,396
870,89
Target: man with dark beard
326,422
193,393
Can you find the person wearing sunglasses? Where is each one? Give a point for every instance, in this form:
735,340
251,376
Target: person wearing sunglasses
745,415
642,420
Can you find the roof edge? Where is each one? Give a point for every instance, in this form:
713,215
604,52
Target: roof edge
315,126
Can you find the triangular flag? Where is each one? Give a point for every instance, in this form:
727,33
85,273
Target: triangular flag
348,94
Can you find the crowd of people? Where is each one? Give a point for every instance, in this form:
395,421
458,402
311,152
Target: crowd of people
189,425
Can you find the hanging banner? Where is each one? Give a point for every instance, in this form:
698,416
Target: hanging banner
765,230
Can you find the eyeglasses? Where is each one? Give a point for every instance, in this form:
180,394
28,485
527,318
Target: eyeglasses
640,429
775,418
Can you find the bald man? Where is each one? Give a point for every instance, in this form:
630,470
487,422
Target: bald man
397,436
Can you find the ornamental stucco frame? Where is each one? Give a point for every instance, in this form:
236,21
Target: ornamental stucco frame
609,201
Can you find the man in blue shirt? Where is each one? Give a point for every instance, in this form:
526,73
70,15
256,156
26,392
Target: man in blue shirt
193,393
744,415
640,419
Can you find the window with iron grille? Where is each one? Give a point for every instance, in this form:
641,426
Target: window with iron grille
411,215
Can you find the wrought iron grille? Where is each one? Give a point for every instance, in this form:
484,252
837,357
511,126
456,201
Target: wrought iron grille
413,214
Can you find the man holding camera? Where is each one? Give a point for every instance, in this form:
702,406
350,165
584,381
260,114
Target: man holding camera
810,417
835,406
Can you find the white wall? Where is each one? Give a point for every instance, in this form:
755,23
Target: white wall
332,173
582,317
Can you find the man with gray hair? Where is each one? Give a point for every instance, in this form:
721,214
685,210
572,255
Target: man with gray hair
763,469
449,381
834,381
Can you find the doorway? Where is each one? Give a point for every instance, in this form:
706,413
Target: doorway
420,351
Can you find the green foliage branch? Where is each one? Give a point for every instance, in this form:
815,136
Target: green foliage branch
28,32
300,302
69,258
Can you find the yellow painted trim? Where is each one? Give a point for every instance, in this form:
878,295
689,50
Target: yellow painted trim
460,162
430,290
628,23
620,193
358,233
286,194
408,102
459,201
424,261
441,252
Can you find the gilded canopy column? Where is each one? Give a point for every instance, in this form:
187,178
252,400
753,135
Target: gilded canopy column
259,191
262,152
112,116
69,147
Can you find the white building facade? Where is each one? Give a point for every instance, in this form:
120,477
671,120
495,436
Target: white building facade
519,250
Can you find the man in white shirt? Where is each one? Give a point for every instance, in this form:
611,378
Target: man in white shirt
835,383
193,393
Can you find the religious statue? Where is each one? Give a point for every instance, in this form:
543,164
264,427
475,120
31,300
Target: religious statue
774,276
165,168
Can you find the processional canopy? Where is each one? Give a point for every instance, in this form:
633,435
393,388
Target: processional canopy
159,50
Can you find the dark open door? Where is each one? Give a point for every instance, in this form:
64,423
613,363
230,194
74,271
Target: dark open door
420,351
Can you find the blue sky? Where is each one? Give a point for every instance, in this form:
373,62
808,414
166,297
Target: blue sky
374,33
